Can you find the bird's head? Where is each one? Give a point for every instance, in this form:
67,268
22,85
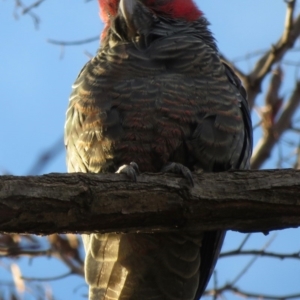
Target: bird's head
171,9
175,9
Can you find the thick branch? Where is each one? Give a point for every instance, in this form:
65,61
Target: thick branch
242,200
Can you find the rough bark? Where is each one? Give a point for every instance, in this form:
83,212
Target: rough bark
242,200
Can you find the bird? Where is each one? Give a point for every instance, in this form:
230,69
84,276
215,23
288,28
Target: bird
156,97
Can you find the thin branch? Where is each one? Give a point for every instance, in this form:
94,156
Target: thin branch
263,149
239,72
28,10
215,278
246,238
273,101
249,55
47,278
297,162
30,7
74,269
11,252
291,63
47,157
242,293
73,43
289,20
275,54
280,256
250,263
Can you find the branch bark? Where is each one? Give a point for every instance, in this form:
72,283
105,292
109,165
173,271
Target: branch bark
241,200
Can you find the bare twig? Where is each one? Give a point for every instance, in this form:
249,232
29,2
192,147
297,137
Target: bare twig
297,163
251,262
273,101
47,278
28,10
30,7
46,157
249,55
247,236
215,277
265,63
244,294
74,43
289,20
14,252
239,72
263,149
280,256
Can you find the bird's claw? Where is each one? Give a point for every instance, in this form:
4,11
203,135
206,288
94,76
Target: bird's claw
131,170
178,168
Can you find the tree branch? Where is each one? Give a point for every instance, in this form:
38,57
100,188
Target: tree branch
31,6
241,200
244,294
281,256
275,54
73,43
265,145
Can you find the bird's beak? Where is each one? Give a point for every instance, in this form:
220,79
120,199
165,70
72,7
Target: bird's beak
126,9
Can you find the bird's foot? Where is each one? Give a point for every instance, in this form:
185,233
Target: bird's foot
131,170
178,168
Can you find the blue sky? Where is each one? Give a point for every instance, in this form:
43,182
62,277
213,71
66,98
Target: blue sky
36,82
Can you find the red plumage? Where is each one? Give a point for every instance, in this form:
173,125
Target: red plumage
108,9
175,9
